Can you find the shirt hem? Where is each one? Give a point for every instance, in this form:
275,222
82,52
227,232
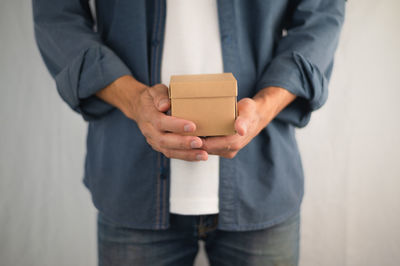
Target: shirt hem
259,226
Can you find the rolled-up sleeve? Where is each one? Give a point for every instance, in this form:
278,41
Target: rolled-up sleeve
303,59
75,55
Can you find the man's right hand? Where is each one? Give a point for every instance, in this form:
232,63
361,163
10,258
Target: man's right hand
147,106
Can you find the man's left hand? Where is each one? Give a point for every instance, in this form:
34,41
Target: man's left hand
254,114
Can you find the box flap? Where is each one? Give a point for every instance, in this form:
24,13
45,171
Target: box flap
203,85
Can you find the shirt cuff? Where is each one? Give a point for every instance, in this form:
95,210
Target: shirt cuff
94,69
299,76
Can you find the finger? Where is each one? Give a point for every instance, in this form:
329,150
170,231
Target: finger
219,145
187,155
175,141
168,123
228,154
159,93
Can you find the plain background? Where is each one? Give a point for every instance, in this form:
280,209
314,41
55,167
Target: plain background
351,152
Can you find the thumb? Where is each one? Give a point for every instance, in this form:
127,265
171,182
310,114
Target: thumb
241,125
242,122
159,93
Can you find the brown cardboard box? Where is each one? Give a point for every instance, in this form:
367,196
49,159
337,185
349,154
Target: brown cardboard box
209,100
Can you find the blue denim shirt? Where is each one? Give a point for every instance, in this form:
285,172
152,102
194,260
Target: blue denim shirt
282,43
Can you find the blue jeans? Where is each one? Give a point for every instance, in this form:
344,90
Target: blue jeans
178,245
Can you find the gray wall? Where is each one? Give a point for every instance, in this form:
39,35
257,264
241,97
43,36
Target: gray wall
351,152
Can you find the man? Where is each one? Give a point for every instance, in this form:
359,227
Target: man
158,191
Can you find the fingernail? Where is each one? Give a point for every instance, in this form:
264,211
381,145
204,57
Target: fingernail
188,128
195,144
199,157
162,103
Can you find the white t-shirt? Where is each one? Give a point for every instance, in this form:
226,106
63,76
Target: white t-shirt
192,46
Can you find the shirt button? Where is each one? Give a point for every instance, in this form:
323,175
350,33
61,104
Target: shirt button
163,175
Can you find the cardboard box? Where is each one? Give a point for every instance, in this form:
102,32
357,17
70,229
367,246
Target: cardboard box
209,100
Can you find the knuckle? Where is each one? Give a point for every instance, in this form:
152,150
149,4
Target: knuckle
161,97
152,145
129,114
158,124
147,135
161,87
185,144
155,148
167,153
157,99
149,90
205,146
231,155
227,156
235,147
248,102
162,142
148,140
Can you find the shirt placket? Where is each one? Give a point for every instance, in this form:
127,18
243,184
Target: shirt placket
228,211
162,179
